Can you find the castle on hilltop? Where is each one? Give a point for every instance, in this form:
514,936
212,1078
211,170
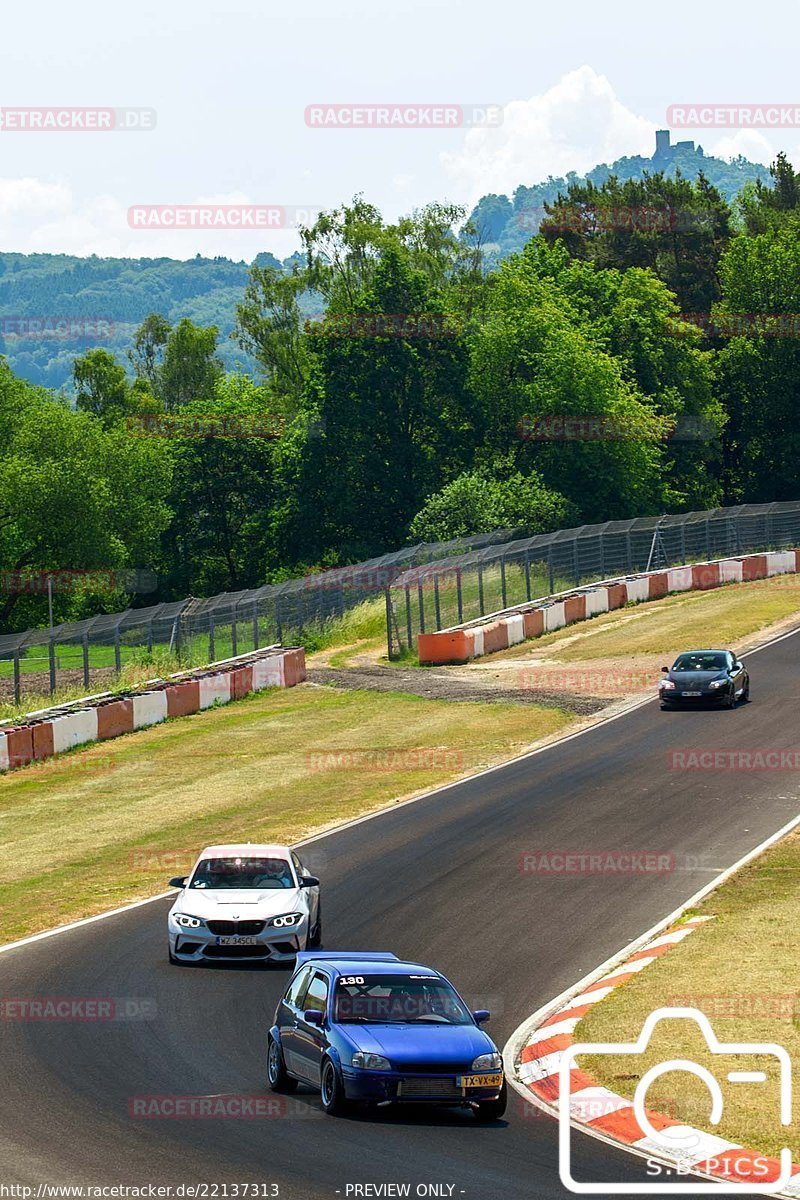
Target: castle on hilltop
665,151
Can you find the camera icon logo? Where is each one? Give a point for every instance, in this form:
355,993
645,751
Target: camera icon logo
677,1149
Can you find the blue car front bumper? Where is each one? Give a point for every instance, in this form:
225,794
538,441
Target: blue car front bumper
381,1086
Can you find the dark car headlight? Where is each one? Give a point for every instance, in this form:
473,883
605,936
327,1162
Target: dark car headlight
371,1062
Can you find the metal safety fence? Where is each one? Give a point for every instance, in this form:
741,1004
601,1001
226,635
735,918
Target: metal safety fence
438,595
195,631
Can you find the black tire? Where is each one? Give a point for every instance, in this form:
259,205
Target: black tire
746,693
277,1078
492,1110
731,699
172,957
334,1100
315,938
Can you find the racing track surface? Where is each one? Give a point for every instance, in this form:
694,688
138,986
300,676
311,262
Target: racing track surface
437,880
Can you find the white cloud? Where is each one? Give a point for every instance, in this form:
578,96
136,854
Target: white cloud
749,142
575,125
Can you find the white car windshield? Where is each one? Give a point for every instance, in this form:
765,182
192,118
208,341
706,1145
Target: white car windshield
242,873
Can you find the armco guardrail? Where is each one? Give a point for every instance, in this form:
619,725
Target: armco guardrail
501,630
52,731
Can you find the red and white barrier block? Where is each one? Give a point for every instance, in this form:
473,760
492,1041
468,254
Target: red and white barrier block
472,640
599,1110
56,730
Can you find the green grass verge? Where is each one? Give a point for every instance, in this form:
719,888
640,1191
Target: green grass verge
97,827
740,969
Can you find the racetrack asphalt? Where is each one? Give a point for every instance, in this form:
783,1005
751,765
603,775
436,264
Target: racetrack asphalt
438,881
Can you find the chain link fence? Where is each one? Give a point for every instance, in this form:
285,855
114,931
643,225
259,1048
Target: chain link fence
438,595
195,631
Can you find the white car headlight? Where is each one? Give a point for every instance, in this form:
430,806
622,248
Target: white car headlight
371,1062
488,1062
715,683
186,922
667,684
287,920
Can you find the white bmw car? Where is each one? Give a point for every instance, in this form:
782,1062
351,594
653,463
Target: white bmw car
245,902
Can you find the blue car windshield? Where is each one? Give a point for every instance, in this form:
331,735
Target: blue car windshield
242,873
701,662
398,1000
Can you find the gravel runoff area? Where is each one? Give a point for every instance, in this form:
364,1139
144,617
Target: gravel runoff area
440,685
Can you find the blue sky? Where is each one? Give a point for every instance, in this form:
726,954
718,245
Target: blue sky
579,83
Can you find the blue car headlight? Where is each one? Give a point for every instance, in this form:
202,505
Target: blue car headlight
186,922
371,1062
488,1062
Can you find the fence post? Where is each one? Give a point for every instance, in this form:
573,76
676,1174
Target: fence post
575,560
389,642
683,543
602,557
51,652
234,636
409,633
17,688
86,660
211,648
550,575
117,654
278,629
421,606
708,539
480,587
459,596
255,624
629,552
503,581
436,603
527,575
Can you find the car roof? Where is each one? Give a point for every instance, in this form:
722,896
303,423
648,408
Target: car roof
718,650
246,850
371,963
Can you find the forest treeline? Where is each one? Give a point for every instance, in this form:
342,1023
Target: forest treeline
638,355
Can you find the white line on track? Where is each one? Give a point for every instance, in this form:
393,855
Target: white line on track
390,808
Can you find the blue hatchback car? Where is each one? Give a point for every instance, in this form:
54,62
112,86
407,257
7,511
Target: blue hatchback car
370,1028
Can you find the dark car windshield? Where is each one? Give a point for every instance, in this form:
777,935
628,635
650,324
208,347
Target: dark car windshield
398,1000
256,873
701,662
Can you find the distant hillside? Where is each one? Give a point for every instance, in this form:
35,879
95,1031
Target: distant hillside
505,225
120,292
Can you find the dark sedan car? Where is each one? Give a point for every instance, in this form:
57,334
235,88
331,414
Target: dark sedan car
704,677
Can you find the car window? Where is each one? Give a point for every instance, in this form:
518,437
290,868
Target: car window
242,873
298,866
298,986
317,994
711,661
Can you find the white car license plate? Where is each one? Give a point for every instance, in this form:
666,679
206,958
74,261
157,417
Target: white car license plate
692,693
236,941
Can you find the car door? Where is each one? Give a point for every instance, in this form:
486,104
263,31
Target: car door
310,1040
289,1012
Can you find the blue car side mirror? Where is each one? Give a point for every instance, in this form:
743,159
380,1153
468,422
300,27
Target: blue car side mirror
314,1016
481,1015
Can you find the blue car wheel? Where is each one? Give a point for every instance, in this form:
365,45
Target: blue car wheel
332,1091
